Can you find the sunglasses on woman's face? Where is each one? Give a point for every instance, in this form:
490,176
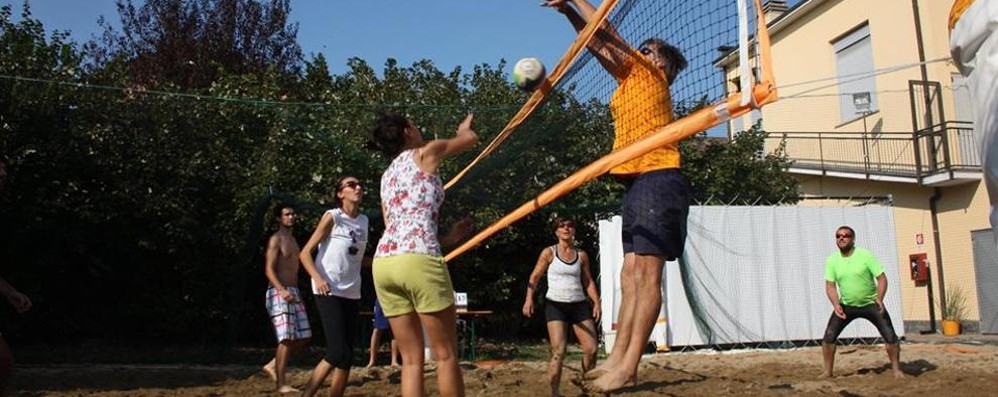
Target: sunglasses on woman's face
352,184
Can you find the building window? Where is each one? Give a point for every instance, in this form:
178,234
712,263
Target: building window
854,69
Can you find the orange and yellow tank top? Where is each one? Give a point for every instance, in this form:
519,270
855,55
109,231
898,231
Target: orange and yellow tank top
640,105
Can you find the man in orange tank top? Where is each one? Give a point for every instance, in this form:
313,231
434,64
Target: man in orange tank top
656,203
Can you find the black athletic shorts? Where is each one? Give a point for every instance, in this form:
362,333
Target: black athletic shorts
881,320
655,209
571,313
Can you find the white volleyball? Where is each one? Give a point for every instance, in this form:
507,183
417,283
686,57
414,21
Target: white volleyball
528,73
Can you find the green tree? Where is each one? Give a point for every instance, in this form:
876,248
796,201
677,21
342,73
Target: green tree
190,43
155,197
738,171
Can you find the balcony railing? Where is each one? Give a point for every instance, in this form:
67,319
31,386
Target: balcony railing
942,150
951,145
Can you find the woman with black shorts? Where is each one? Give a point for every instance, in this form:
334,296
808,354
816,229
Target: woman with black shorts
569,281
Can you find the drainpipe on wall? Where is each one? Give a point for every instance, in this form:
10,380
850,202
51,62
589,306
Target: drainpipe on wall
937,193
918,40
933,209
926,96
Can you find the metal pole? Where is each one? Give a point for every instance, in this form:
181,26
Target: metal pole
934,209
866,148
932,304
925,80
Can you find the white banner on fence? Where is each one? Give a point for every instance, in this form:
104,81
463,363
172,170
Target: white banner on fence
758,273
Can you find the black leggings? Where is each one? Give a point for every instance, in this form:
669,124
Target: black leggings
881,320
339,323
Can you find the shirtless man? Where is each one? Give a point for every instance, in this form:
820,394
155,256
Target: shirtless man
284,304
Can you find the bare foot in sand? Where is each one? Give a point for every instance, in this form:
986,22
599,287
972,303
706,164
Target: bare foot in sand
593,374
598,371
287,389
611,381
269,370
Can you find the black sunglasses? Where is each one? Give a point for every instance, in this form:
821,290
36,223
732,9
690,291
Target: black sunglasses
353,240
351,184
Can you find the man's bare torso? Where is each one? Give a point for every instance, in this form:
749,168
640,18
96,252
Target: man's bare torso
287,258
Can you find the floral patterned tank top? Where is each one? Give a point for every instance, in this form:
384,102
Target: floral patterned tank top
411,200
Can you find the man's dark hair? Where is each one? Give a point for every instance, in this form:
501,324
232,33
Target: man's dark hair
677,62
279,208
852,232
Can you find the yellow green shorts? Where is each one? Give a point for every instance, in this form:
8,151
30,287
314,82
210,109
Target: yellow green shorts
412,282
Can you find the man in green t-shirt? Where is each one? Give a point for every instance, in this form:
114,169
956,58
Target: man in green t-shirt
853,270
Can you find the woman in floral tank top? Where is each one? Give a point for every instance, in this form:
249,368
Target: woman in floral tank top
410,275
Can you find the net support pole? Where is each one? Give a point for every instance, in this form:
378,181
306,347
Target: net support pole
745,69
765,53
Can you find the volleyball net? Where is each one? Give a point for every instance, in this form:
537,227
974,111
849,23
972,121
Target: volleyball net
562,137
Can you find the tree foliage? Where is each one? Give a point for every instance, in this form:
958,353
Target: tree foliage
151,207
191,43
738,171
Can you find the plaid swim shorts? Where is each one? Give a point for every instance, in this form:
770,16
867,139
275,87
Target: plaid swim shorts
289,318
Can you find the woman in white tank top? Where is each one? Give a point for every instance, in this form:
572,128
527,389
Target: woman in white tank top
341,240
569,282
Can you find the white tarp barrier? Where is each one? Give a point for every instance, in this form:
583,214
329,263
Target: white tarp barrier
757,273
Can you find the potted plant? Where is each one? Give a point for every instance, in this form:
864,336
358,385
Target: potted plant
953,311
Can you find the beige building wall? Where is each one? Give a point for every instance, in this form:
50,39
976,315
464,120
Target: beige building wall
804,63
803,53
959,212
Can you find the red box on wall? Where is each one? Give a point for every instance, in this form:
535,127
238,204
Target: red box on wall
919,266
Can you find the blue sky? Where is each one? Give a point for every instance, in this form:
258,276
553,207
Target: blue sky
448,32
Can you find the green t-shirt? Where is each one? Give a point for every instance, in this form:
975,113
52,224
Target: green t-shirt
856,276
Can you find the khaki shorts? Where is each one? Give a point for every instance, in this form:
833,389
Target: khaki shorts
412,282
